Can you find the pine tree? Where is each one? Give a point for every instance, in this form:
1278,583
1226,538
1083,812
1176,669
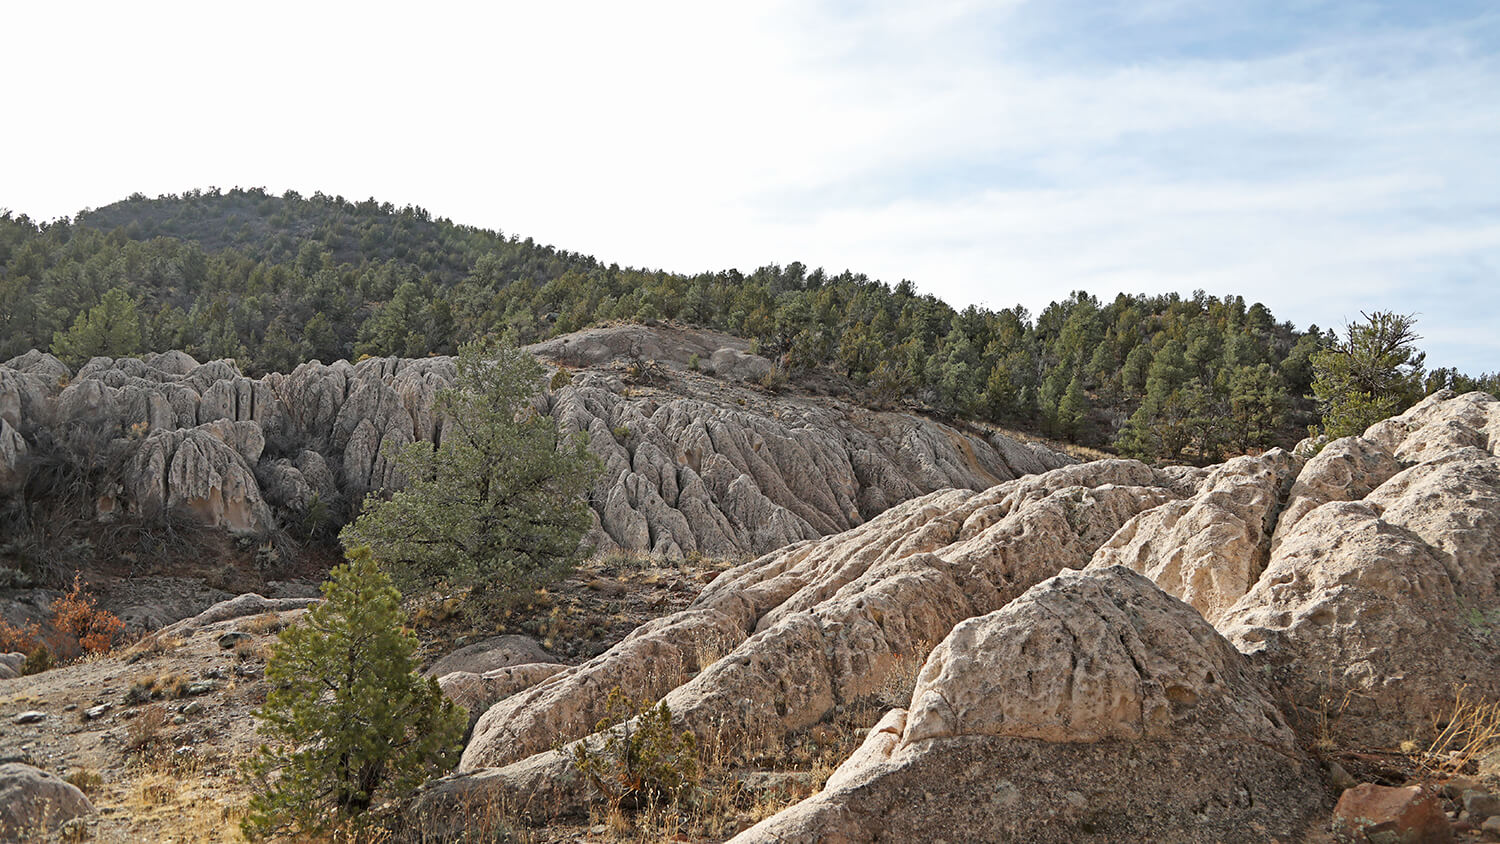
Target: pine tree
111,328
1374,372
348,716
499,502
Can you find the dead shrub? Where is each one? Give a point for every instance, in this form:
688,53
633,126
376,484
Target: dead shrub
1471,730
143,733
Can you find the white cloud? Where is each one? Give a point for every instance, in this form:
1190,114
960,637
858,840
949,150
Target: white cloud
934,143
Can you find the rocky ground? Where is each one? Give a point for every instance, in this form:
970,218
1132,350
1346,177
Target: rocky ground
156,730
1114,652
1291,646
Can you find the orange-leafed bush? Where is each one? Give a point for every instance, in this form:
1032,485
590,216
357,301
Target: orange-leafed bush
77,616
22,639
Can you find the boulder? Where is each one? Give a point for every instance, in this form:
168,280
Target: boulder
237,607
478,692
33,800
831,619
1376,604
203,471
1373,814
492,653
1210,549
1094,705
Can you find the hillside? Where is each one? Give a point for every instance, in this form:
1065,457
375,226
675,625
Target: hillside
1288,646
275,281
137,465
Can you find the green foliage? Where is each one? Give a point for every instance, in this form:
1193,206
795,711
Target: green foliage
112,328
642,760
348,717
498,503
241,273
1374,372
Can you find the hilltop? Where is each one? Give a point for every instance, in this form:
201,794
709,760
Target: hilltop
273,281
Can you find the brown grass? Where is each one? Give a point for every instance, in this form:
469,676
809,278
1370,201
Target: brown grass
157,685
263,624
143,732
1470,731
154,645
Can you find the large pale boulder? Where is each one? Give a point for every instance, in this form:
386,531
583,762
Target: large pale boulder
477,692
1363,626
1094,705
33,801
492,653
831,619
203,471
1210,549
1346,469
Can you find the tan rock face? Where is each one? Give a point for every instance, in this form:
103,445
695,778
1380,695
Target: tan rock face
1094,704
1376,601
1088,657
1346,469
774,645
476,693
735,475
1210,549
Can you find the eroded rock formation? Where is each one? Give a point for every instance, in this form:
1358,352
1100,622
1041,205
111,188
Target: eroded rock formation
1092,705
1344,595
729,472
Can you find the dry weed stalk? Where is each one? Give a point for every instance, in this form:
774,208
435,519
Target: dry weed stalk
1472,728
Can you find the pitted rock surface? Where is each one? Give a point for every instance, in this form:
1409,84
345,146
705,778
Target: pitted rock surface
1210,549
729,473
1081,709
773,645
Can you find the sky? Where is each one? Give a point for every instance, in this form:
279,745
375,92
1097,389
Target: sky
1324,158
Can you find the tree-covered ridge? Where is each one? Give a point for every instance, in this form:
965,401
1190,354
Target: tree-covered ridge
272,281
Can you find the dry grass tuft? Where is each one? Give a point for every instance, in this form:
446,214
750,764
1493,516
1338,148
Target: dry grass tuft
154,645
1471,730
157,685
86,780
143,733
263,624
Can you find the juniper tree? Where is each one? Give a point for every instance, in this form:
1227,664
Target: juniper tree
347,716
1373,372
498,503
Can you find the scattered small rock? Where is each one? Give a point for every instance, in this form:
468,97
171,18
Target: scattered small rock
29,717
1480,804
1370,813
232,638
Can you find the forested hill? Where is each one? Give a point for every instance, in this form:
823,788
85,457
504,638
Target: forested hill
275,280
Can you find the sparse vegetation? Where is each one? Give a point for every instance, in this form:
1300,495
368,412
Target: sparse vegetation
1470,731
86,780
498,506
347,717
643,761
76,617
